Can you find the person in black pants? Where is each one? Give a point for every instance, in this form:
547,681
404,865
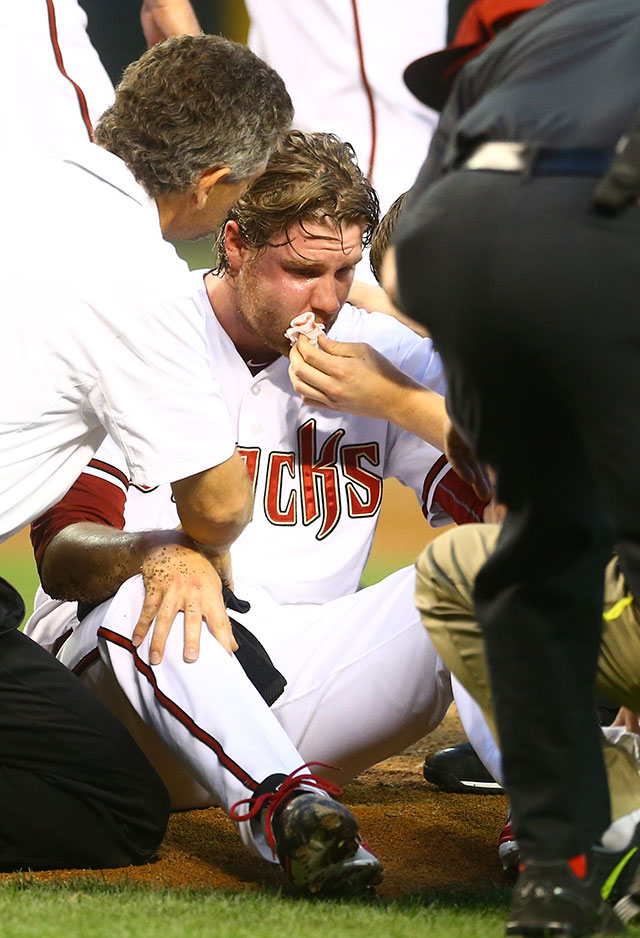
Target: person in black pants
531,297
76,789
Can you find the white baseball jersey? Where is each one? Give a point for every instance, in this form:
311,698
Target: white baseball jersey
317,475
54,86
342,62
100,333
363,679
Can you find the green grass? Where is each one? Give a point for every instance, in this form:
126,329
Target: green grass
18,567
32,910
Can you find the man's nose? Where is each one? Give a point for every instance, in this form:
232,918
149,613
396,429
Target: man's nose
324,299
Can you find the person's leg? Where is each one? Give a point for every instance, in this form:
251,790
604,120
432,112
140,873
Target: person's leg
209,728
75,789
364,678
214,733
446,574
539,600
447,569
222,736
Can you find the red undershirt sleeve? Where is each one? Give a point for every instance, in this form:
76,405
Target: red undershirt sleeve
90,498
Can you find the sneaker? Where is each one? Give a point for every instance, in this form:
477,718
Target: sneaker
508,848
561,897
459,769
314,837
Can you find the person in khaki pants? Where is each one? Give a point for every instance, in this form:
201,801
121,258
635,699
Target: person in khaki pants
446,573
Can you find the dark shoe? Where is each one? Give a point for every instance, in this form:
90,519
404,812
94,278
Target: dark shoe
314,837
458,769
549,898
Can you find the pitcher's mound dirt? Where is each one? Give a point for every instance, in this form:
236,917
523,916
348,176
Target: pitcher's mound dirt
425,838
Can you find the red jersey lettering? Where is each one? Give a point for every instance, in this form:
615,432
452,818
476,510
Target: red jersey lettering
278,462
319,478
251,459
362,505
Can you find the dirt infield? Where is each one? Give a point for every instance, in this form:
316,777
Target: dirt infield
426,839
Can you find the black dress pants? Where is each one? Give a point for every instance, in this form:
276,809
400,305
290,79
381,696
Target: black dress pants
75,790
533,301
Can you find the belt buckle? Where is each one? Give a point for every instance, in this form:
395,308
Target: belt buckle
501,156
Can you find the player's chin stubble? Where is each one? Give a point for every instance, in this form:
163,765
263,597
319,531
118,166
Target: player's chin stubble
262,321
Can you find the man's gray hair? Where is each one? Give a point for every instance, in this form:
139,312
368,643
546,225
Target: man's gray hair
193,103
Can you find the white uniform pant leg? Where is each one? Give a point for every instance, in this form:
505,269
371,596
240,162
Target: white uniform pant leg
364,680
208,713
477,730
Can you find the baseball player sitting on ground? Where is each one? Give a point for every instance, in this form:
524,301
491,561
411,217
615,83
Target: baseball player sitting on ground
363,680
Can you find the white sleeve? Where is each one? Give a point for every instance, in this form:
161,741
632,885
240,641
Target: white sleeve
157,397
423,364
420,466
415,356
411,460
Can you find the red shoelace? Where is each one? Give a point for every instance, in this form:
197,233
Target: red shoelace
273,799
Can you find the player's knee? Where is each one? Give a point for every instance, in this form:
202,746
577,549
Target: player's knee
450,563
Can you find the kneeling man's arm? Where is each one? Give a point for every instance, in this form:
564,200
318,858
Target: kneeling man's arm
83,554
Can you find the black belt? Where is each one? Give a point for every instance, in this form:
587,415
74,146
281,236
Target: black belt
573,161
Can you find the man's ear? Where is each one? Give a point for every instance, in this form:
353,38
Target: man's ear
236,247
207,180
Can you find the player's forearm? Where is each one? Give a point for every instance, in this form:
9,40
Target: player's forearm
163,18
89,562
420,411
215,506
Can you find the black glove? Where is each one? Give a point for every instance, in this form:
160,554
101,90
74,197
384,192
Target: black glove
252,655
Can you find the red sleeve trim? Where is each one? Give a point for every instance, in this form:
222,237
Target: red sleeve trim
110,470
459,500
367,89
89,499
437,467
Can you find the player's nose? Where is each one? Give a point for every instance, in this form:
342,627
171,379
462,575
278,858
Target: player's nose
325,301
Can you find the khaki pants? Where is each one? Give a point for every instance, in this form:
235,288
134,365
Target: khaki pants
447,569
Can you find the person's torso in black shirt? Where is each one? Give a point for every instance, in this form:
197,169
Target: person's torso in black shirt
566,74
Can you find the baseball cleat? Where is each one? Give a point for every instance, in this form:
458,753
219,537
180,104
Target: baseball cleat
319,849
561,897
314,837
458,769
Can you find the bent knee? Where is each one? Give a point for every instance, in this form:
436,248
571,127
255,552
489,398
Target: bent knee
451,562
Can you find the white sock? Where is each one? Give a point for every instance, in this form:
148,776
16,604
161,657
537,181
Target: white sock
619,833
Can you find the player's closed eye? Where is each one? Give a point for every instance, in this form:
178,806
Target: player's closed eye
305,273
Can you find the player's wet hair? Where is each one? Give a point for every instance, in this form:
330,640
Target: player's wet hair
382,235
309,178
193,103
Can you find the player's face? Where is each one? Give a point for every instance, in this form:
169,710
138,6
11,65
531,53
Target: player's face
312,272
